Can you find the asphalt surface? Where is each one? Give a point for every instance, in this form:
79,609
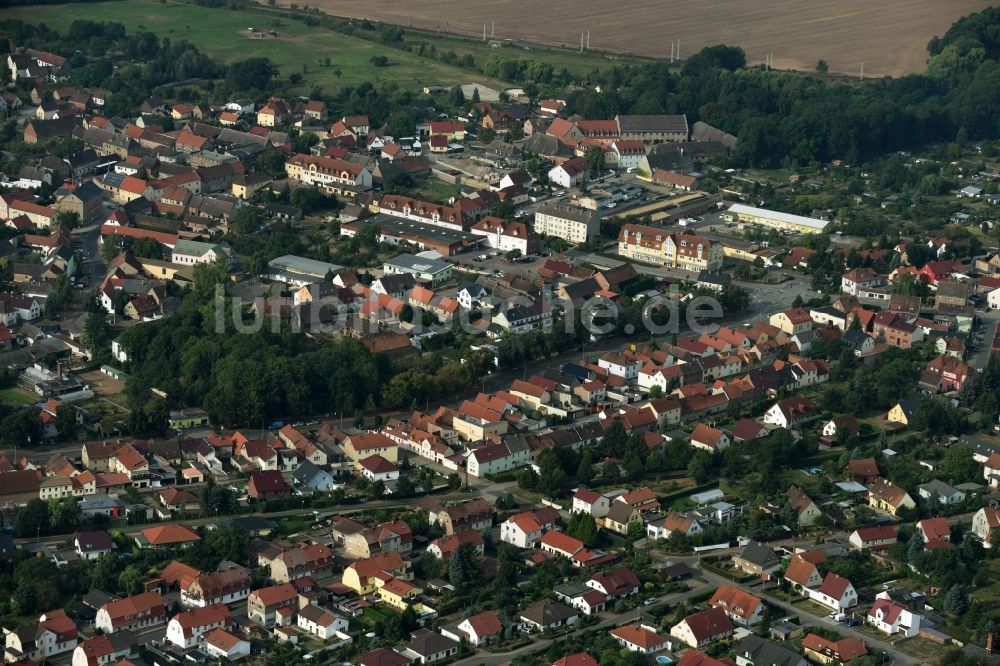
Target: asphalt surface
978,358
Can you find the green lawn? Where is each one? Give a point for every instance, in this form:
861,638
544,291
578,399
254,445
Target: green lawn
433,189
578,63
295,524
18,397
223,34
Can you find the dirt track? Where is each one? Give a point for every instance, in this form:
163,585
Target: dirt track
889,38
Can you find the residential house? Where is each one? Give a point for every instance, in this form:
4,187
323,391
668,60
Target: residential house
309,477
91,545
305,560
135,613
640,638
615,584
475,514
223,645
789,412
476,629
321,623
185,630
803,570
946,494
887,496
985,523
104,650
376,468
620,517
674,523
167,536
741,607
873,538
396,593
590,502
702,628
859,342
545,614
833,653
53,634
525,529
758,559
836,593
935,532
792,321
274,605
133,464
863,470
904,410
753,650
361,575
444,547
219,587
944,373
427,647
805,508
846,422
708,438
893,618
384,657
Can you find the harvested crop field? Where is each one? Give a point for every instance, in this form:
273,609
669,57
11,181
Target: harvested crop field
890,39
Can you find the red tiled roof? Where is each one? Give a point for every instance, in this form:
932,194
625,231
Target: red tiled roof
834,586
640,636
166,535
276,594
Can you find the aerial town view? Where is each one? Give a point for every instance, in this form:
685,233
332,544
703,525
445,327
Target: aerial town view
383,333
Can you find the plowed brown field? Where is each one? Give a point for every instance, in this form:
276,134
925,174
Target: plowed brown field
888,37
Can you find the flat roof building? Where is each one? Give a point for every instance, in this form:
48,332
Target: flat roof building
424,267
571,223
775,219
443,240
299,271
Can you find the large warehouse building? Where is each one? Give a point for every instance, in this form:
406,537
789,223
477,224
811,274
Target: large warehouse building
775,219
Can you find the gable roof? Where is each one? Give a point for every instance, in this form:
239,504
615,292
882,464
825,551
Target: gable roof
834,586
486,623
709,623
735,601
800,570
640,636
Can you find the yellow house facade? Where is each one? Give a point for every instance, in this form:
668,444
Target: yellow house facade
397,593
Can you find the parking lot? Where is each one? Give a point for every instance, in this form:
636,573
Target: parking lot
496,264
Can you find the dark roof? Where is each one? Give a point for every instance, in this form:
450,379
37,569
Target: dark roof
759,554
268,481
653,123
427,643
545,612
760,651
854,338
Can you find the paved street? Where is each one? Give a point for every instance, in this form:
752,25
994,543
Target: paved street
981,356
